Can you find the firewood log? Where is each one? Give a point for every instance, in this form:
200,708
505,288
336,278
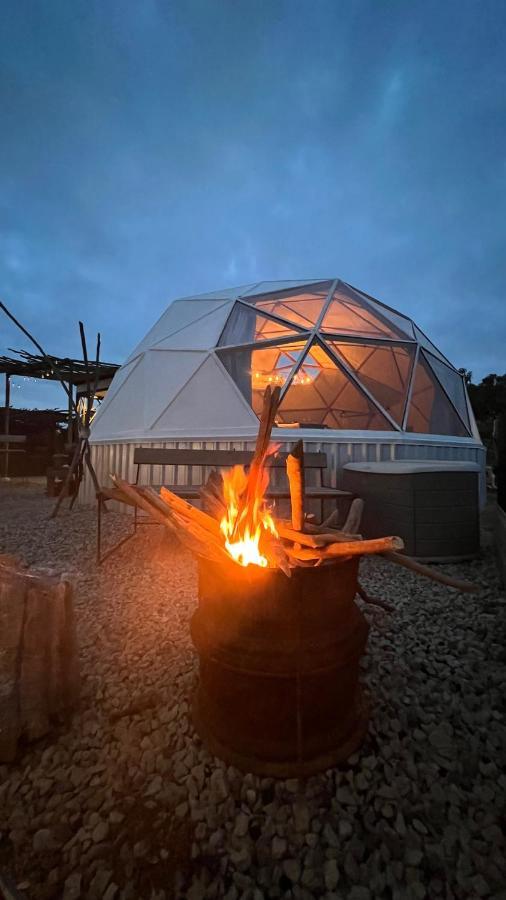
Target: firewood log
374,601
465,587
295,473
354,548
168,498
199,543
354,516
269,410
39,669
211,495
315,537
211,505
331,521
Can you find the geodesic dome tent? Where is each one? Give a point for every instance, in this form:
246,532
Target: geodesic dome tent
346,364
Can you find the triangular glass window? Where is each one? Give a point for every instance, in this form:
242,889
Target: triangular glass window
424,342
384,369
325,397
400,322
430,411
246,325
452,383
254,369
349,313
302,307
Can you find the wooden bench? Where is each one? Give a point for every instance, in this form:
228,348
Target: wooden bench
198,464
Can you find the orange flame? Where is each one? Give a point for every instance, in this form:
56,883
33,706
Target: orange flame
245,526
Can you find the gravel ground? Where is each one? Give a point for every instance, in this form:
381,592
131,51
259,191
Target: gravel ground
126,803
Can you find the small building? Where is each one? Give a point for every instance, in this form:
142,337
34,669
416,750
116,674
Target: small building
359,380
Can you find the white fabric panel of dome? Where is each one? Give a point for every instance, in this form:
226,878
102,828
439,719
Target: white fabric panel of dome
384,369
179,314
200,334
350,313
327,398
199,405
269,287
246,325
253,369
301,307
430,411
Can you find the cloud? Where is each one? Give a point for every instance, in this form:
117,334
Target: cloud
157,150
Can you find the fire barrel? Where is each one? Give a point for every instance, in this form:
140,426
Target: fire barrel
279,690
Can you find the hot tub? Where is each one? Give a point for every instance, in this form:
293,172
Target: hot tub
433,506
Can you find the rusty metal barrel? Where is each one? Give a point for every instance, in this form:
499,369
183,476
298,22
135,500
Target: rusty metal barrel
279,690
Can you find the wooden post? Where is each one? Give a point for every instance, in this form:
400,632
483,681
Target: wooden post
70,429
7,417
295,472
39,669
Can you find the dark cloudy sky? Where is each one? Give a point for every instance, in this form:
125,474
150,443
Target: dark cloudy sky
154,149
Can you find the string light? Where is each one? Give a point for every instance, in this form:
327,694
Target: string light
276,378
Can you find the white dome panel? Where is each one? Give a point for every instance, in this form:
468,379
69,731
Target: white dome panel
227,294
201,334
124,414
178,315
166,371
119,379
268,287
208,404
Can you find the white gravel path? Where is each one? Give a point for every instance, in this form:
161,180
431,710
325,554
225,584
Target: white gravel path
127,803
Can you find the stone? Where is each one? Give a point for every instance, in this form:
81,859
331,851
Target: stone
361,782
99,884
400,825
241,857
72,887
100,832
413,856
359,893
42,840
155,786
301,816
197,891
480,885
140,849
279,847
419,826
331,874
351,867
345,829
116,817
345,796
329,836
441,738
292,785
241,825
218,786
291,868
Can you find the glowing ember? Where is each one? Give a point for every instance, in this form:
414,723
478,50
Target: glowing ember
246,525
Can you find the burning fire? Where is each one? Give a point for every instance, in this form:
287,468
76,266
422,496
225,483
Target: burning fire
247,521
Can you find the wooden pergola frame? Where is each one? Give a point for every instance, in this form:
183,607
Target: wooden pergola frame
74,372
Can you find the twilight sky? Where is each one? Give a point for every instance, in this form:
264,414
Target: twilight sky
152,149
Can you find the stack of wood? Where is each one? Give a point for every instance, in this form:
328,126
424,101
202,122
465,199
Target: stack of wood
39,670
299,543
